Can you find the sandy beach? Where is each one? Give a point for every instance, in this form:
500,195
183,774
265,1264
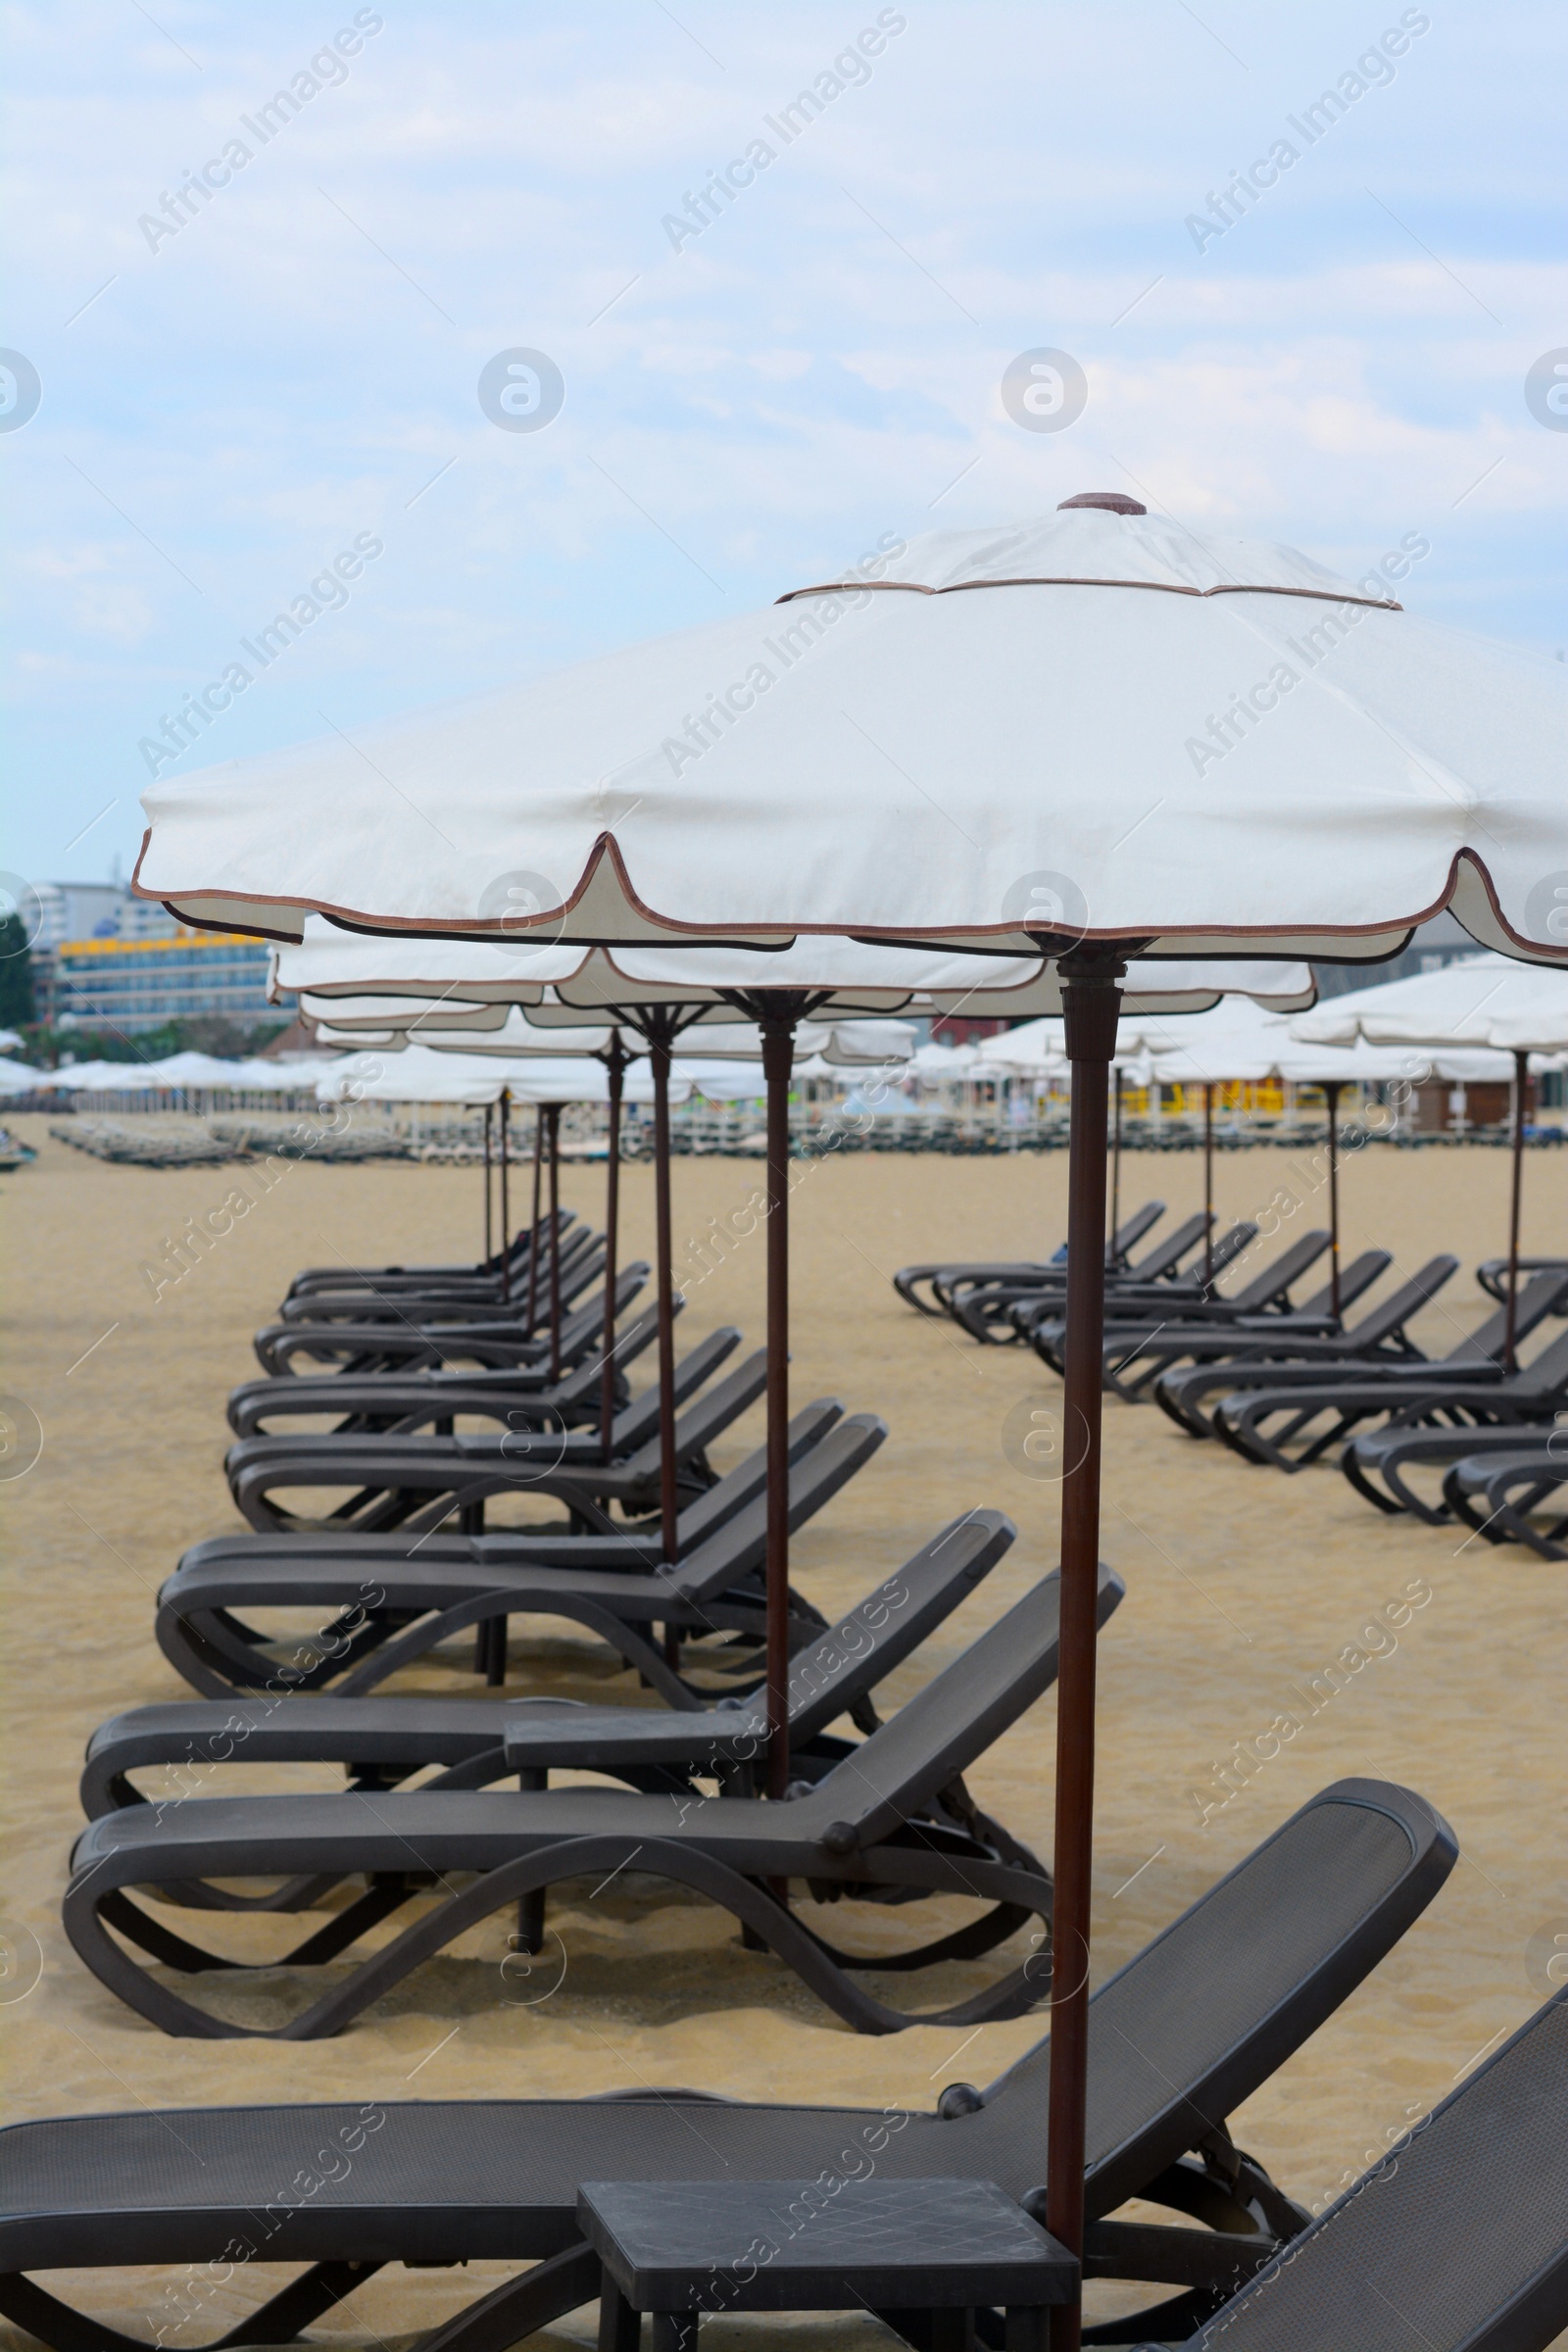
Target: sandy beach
1238,1585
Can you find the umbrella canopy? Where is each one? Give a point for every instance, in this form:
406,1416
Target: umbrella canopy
420,1073
418,1014
1485,1001
104,1077
1094,737
972,708
1478,1000
18,1078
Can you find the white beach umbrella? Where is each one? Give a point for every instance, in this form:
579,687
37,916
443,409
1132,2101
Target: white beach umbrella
20,1078
416,1016
1096,737
1477,1001
966,751
102,1077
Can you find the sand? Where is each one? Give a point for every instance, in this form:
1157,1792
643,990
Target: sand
1240,1585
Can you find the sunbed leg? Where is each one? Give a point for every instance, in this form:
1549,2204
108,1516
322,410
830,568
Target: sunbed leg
530,1935
620,2327
496,1660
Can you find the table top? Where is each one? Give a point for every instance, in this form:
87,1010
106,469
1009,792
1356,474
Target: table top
820,2245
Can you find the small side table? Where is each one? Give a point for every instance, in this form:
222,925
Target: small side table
679,2249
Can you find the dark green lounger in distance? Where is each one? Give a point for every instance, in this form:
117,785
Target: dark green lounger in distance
380,1603
1179,2039
889,1822
1001,1311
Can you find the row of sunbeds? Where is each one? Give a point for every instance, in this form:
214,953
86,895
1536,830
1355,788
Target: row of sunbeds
1180,2037
1286,1384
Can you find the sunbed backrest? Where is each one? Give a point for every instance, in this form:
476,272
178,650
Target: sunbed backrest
1359,1276
737,1488
1458,2237
1547,1375
739,1547
1277,1277
711,1414
1231,1243
1217,2003
1131,1232
853,1657
954,1719
1391,1314
1534,1304
638,1425
1169,1253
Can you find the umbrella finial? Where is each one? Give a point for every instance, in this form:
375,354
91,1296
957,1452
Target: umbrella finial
1114,502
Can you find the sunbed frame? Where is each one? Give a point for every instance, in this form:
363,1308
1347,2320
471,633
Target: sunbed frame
890,1822
1179,2037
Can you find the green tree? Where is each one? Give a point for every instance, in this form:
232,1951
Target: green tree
15,974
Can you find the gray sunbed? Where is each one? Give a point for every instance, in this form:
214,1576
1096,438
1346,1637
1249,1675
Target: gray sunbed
1283,1423
1500,1493
1179,2039
1137,1356
1045,1327
529,1240
1379,1344
469,1742
583,1261
282,1349
1455,2240
384,1399
942,1276
397,1479
1002,1311
389,1602
890,1822
1452,1423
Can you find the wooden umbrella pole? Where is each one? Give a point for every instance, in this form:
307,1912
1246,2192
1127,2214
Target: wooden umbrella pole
489,1244
616,1065
1521,1080
661,1038
1207,1184
1092,1003
553,1116
778,1058
1331,1094
506,1211
535,1242
1115,1159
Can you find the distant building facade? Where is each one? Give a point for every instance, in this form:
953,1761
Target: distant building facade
131,984
101,959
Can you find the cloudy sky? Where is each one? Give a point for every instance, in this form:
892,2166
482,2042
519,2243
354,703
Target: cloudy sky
235,389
